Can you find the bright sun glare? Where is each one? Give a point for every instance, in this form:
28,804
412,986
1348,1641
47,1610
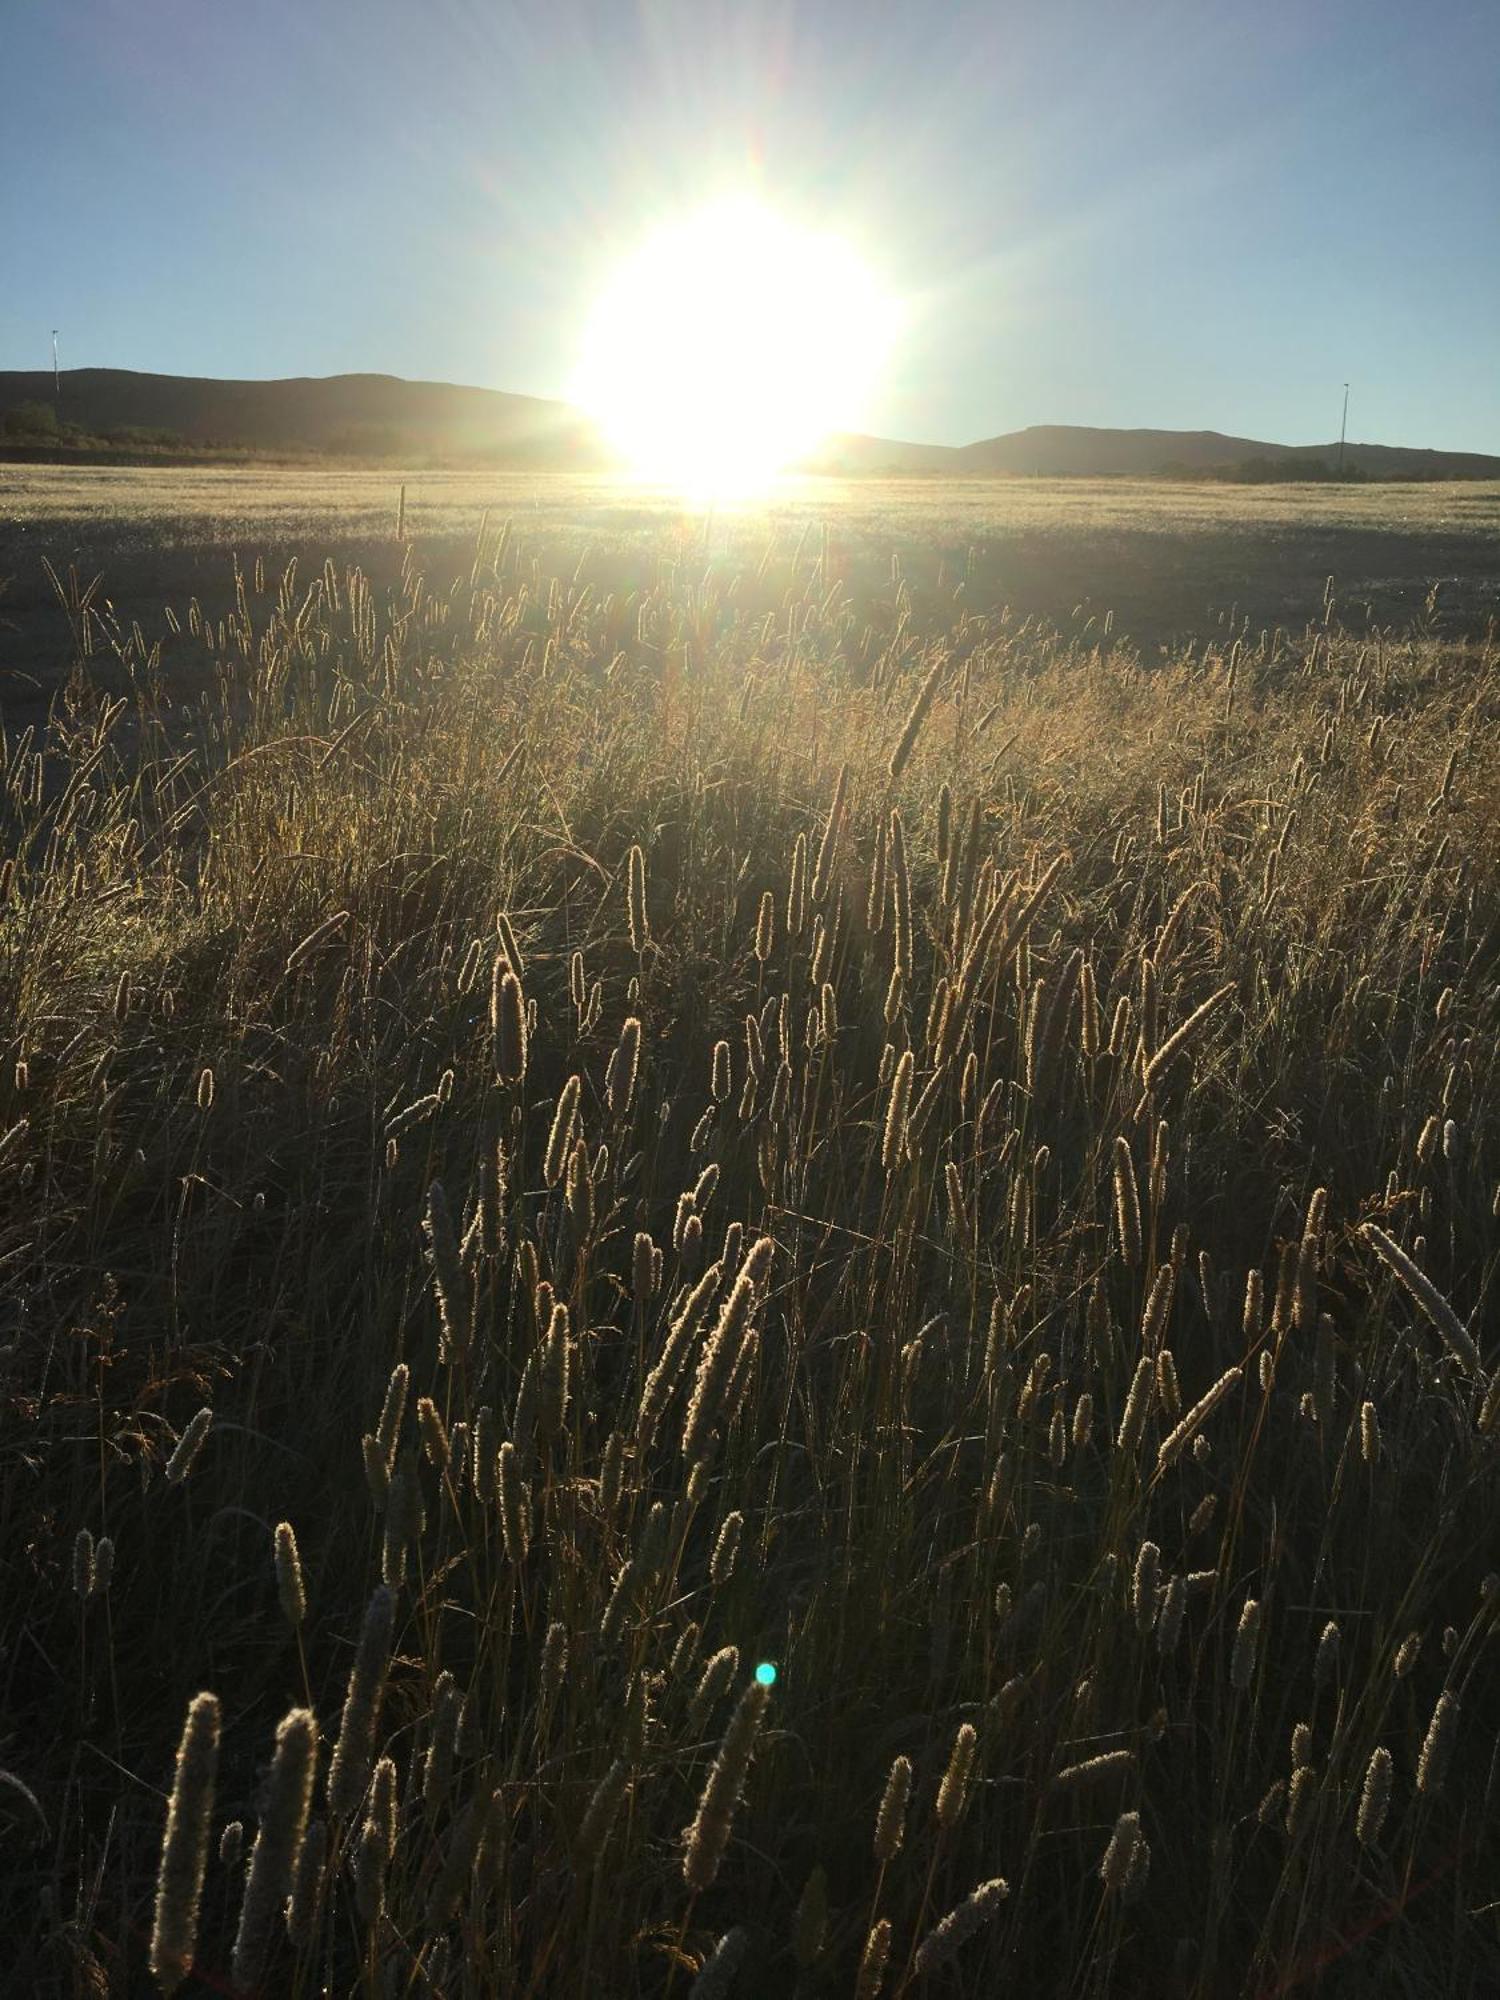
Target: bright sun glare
730,346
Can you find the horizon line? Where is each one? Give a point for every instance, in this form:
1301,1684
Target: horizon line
561,405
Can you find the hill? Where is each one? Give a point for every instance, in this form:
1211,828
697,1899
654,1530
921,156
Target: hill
377,416
1076,449
385,417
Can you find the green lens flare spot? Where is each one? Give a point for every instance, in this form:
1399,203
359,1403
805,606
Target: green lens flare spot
765,1673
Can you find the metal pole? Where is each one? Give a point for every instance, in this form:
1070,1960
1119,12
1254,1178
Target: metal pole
56,377
1343,429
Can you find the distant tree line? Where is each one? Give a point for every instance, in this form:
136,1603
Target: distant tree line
1262,470
39,423
32,426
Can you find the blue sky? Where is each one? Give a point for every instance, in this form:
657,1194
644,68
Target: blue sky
1186,213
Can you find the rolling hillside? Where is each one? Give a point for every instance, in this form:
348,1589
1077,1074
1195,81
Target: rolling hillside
376,416
384,417
1061,449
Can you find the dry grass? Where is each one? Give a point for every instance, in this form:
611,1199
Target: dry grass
1164,561
933,1294
269,504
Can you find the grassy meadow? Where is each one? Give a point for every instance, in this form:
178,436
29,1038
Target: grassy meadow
596,1102
1166,562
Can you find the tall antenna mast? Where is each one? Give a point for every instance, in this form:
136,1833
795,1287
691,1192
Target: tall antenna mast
1343,428
56,377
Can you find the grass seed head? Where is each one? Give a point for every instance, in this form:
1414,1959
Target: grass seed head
180,1464
1137,1406
1420,1287
624,1068
291,1591
1145,1584
953,1792
1246,1645
1374,1798
554,1375
83,1565
636,901
726,1550
515,1502
602,1811
560,1138
890,1821
354,1754
1326,1658
718,1972
184,1854
1121,1855
1169,1617
708,1835
977,1909
893,1145
874,1960
1437,1745
713,1683
1108,1764
273,1859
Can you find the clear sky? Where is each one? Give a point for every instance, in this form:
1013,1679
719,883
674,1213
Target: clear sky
1185,213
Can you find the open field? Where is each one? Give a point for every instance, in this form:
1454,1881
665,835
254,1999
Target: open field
1170,562
598,1101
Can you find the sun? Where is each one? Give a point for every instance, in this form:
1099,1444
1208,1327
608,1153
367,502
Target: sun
730,345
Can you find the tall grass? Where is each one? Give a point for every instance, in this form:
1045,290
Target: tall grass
559,1146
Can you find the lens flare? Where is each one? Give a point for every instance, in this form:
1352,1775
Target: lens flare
730,346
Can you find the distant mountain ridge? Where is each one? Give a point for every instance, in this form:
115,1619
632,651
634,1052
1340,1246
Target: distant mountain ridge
1078,450
373,416
1075,448
386,417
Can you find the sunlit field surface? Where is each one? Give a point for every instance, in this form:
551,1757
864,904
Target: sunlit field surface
163,503
1170,560
899,1087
